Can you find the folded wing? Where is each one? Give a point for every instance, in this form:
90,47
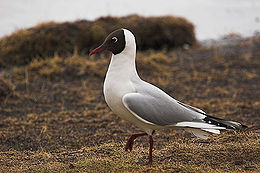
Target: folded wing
159,111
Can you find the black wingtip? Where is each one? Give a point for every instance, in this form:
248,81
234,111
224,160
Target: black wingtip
232,125
244,126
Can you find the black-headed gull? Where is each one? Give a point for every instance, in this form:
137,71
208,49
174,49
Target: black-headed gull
144,104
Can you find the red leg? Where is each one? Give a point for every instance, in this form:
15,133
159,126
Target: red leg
150,150
130,142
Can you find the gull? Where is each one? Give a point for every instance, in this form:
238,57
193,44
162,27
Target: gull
144,104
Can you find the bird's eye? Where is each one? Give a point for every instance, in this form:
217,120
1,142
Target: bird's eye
114,39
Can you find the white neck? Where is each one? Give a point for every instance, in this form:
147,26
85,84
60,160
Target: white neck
122,65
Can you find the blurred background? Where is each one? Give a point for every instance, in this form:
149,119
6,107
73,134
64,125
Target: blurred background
211,18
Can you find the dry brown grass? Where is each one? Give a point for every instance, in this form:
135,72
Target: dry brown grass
46,39
56,118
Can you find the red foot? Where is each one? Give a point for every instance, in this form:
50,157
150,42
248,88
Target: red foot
130,143
150,150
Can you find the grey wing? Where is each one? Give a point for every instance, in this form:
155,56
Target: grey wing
192,108
160,110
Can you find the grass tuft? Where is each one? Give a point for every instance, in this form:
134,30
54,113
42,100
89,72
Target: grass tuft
47,39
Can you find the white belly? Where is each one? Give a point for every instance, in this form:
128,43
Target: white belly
113,93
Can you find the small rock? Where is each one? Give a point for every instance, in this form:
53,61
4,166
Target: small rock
239,162
5,90
71,166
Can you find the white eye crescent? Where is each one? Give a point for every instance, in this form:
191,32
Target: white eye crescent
114,39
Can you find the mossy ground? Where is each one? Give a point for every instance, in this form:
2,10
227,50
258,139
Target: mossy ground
56,120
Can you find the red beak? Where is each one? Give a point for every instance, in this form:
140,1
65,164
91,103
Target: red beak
99,49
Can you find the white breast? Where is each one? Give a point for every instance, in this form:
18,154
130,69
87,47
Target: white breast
116,85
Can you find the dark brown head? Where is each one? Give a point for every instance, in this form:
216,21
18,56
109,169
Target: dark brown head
115,42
